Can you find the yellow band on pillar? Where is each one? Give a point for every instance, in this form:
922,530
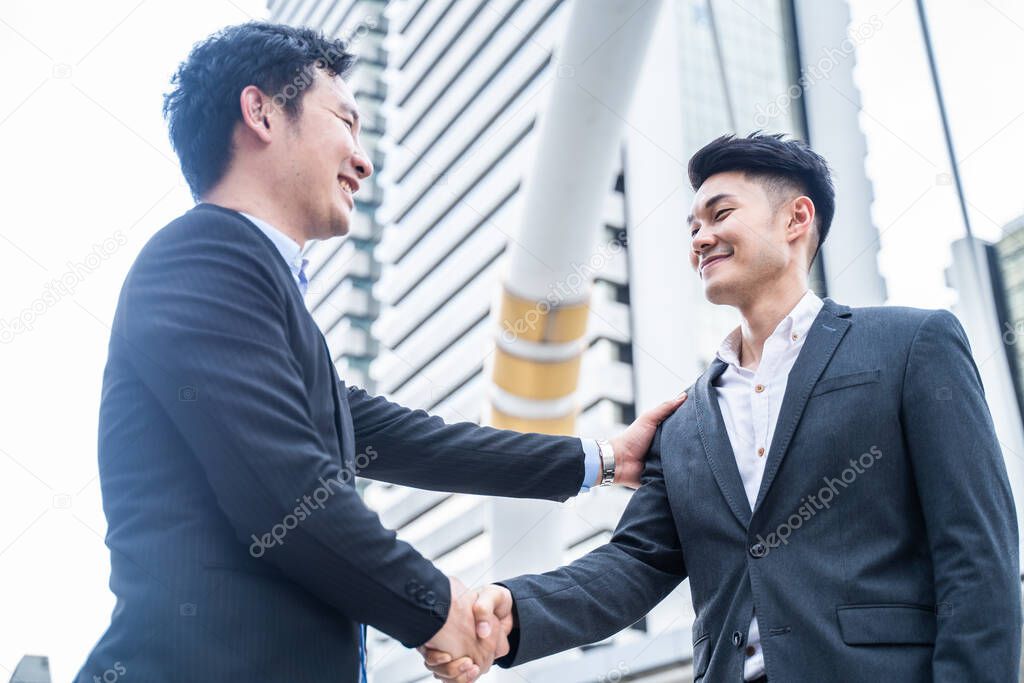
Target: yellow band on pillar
541,321
533,379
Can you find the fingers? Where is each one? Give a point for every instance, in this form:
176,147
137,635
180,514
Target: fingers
433,657
462,670
661,411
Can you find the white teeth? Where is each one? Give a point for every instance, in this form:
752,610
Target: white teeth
345,186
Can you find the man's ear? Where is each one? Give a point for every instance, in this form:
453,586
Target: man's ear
259,113
801,219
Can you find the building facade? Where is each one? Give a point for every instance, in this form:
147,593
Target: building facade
451,92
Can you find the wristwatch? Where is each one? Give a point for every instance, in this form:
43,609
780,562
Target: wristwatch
607,462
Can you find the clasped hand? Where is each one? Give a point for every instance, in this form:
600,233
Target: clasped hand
474,635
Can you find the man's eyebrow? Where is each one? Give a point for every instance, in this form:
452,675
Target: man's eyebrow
711,202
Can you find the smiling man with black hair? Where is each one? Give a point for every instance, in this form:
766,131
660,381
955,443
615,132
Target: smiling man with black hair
834,489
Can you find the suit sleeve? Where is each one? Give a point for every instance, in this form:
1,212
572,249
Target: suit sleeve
420,450
202,320
608,589
968,507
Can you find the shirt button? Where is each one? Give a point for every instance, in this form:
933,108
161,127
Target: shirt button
750,651
760,451
795,336
759,388
758,550
737,638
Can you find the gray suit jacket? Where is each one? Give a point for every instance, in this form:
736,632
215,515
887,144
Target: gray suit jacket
882,545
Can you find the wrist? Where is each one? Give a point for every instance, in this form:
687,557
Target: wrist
609,455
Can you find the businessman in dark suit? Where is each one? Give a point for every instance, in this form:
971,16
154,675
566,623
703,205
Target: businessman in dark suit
228,445
834,489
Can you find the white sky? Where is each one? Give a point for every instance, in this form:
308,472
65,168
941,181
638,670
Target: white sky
84,158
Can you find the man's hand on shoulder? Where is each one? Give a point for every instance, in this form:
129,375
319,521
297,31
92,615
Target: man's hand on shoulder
632,445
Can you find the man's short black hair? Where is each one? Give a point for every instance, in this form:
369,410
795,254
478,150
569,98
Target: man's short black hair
202,108
779,163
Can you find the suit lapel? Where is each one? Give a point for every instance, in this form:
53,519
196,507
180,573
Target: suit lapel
824,336
717,447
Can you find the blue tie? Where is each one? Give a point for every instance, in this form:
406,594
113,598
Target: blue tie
303,282
362,653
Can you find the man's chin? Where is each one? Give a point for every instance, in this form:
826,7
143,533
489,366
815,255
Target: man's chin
718,294
340,221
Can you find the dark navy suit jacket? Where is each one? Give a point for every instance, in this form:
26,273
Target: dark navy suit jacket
904,565
240,550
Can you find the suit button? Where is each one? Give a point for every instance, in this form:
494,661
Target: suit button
430,598
758,550
412,587
737,638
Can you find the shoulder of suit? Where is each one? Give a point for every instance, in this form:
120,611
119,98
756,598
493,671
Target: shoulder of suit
895,319
204,227
206,221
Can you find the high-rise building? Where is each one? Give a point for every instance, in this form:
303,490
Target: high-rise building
989,281
451,91
1010,258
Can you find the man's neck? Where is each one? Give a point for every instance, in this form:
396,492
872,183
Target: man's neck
257,204
762,315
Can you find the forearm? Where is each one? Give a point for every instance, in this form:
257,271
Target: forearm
585,602
419,450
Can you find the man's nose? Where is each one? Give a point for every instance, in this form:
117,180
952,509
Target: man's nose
362,165
702,241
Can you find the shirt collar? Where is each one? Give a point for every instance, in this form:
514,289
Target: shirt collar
289,249
792,329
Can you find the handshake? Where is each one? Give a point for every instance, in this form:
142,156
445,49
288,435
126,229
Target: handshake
475,634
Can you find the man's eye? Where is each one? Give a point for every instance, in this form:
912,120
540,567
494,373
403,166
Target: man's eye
721,214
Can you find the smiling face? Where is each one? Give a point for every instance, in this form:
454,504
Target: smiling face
319,161
748,236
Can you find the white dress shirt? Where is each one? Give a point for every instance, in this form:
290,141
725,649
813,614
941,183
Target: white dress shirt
750,401
292,254
289,249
